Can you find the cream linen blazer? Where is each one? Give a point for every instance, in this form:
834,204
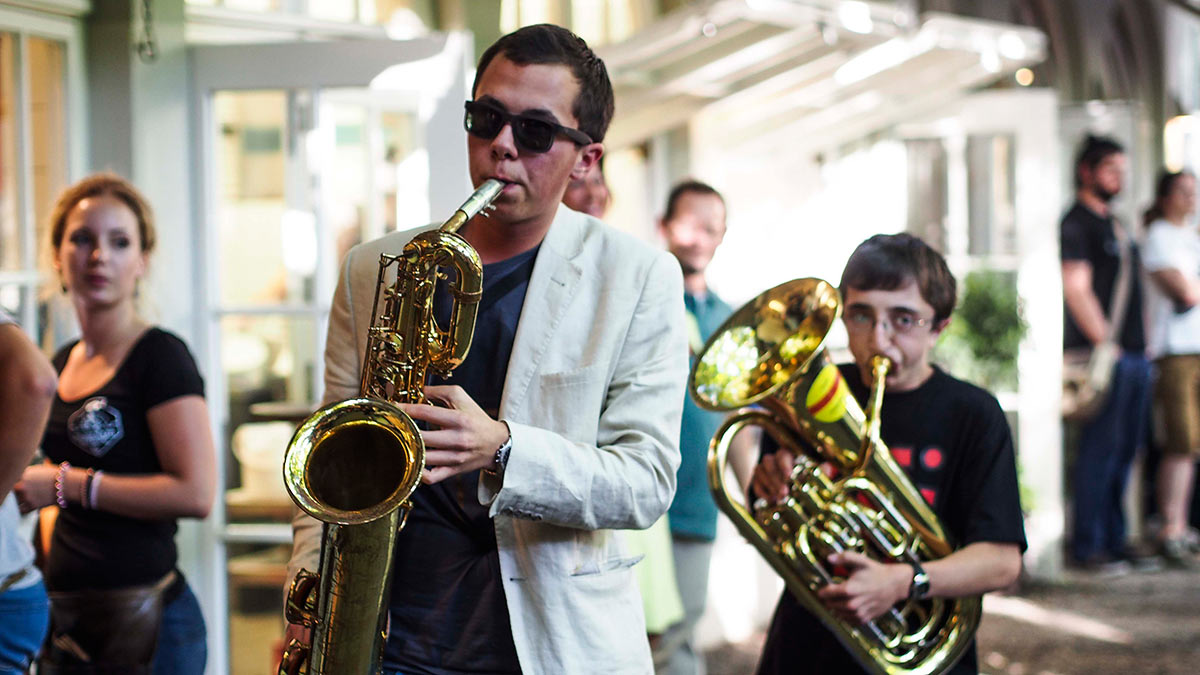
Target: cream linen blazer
593,396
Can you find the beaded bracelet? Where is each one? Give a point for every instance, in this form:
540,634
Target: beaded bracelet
60,480
86,489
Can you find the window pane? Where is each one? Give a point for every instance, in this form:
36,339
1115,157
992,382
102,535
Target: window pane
334,10
265,359
257,572
264,250
408,16
253,5
48,107
11,234
268,363
345,182
404,179
928,191
990,200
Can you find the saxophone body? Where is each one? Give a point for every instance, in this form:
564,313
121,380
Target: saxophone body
846,491
354,464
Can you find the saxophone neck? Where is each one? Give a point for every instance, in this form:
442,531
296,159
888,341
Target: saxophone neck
477,203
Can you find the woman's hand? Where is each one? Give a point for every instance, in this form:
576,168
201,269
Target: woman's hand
36,490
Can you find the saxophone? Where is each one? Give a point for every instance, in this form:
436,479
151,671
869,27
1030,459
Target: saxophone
353,464
771,353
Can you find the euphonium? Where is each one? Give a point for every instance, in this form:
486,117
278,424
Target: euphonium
770,353
353,464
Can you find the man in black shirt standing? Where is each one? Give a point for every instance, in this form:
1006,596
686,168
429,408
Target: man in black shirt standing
951,439
1091,245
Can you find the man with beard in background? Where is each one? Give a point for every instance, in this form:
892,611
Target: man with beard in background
1093,243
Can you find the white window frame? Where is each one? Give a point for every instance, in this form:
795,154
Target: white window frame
66,29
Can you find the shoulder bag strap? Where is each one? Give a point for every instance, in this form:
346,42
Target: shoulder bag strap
1120,299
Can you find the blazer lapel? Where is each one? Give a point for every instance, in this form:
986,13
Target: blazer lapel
551,287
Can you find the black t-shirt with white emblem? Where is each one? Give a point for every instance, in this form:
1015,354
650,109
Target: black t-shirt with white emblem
953,441
107,430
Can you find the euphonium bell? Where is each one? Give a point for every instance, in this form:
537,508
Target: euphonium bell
846,492
353,464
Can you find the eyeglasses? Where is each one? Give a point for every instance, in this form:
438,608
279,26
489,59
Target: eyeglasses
532,134
900,322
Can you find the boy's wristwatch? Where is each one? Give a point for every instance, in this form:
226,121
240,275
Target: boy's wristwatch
919,588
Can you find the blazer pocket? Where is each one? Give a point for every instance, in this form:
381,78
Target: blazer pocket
568,378
600,567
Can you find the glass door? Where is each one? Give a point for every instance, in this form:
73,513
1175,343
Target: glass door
299,165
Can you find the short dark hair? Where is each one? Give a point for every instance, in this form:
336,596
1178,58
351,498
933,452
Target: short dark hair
1092,151
690,186
891,261
549,44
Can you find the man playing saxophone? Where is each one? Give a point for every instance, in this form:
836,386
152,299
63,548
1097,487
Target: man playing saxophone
950,437
562,423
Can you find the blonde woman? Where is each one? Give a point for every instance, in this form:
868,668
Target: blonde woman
129,451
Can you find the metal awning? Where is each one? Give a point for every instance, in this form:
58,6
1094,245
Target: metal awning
815,72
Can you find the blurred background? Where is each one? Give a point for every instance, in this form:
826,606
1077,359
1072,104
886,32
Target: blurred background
272,135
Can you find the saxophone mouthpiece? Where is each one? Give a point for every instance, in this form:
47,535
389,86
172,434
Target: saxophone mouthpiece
482,198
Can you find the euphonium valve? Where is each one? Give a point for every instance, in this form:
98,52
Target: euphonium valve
354,464
846,491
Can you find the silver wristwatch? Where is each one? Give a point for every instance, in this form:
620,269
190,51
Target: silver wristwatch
501,459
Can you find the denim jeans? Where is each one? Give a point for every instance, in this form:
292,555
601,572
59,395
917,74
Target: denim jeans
182,640
24,620
1107,445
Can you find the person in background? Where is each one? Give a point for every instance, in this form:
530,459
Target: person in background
693,226
1092,241
589,194
1171,255
26,388
128,451
950,438
656,571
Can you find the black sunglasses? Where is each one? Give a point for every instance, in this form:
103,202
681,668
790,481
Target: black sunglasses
531,133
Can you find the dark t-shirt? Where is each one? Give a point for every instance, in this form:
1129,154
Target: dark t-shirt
953,442
448,609
107,430
1088,237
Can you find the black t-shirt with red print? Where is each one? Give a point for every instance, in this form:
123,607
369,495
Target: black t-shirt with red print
953,441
